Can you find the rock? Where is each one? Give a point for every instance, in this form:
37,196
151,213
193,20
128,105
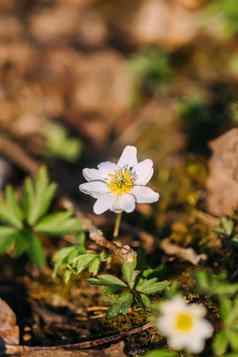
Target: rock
9,331
164,22
222,184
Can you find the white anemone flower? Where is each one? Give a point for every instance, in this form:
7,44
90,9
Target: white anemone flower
184,325
119,186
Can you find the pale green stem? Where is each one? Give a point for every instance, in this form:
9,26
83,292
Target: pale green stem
117,224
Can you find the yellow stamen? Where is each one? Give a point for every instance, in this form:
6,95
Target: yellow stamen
184,322
121,181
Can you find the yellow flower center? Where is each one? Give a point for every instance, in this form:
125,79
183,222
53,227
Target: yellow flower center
121,181
184,322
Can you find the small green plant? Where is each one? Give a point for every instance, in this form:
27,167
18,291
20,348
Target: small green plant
25,218
226,294
71,261
60,144
131,289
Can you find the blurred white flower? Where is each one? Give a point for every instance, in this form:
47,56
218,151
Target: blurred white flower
184,325
118,186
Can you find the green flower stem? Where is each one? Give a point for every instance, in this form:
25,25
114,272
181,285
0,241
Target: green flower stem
117,225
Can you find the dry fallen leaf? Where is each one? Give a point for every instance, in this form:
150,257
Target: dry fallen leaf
222,183
187,254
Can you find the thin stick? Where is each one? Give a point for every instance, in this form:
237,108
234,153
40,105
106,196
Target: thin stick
117,225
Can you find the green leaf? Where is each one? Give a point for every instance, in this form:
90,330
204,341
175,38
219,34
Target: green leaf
160,353
94,266
81,262
22,242
145,300
151,286
121,306
36,252
128,272
7,237
27,198
107,280
42,195
225,308
233,339
64,257
12,205
9,211
220,343
59,223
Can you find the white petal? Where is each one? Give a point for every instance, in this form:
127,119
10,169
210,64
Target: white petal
92,175
94,188
124,203
103,203
106,168
144,171
203,328
195,345
128,157
145,194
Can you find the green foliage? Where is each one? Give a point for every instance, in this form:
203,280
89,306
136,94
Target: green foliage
215,285
228,336
131,289
60,144
151,69
161,353
227,295
227,13
70,262
24,218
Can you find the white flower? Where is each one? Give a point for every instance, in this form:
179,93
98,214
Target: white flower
184,325
118,186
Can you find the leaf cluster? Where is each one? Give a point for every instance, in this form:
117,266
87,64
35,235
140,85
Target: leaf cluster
60,144
132,288
25,218
71,261
226,293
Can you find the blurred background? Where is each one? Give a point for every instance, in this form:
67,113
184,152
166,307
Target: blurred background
79,79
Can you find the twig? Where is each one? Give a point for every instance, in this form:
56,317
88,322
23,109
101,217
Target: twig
12,349
15,153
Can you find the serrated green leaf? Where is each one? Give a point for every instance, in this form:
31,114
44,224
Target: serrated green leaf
9,212
121,306
43,193
64,257
82,262
108,280
128,272
36,252
7,237
27,198
12,205
220,343
145,300
151,286
94,266
59,223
